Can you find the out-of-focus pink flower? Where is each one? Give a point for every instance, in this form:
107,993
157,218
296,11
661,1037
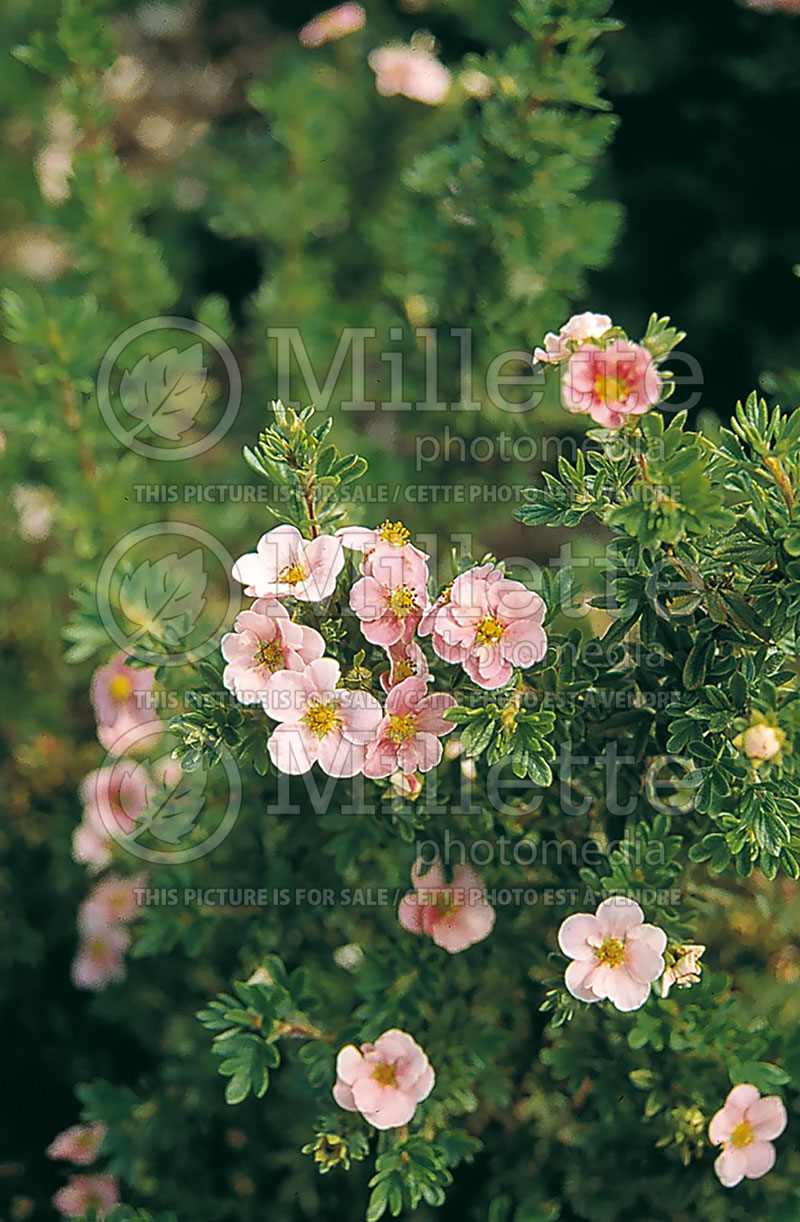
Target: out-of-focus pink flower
113,798
745,1128
100,958
334,23
611,383
84,1192
408,736
489,624
383,1081
614,954
285,564
415,73
264,640
579,329
391,599
761,742
320,722
121,700
79,1144
111,900
406,659
455,915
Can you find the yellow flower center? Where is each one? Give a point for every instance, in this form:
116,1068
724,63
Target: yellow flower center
385,1075
403,670
488,631
401,601
120,688
292,574
610,389
394,533
611,953
401,728
270,654
741,1136
321,718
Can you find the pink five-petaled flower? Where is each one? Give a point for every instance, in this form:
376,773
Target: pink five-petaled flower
320,722
455,915
489,624
264,640
413,72
407,737
579,329
393,534
390,600
79,1144
114,899
84,1192
285,564
113,798
611,383
615,955
383,1081
334,23
101,957
121,700
745,1127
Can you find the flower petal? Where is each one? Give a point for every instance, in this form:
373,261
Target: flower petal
767,1117
574,934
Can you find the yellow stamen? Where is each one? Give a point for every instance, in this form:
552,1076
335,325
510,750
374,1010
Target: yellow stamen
120,688
741,1136
321,718
394,533
403,670
292,574
611,953
270,654
401,728
610,389
401,601
488,631
385,1075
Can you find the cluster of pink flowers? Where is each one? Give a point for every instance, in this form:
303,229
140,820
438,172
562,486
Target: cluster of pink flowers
484,622
606,375
80,1145
103,918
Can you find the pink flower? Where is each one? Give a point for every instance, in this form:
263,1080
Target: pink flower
113,798
285,564
579,329
391,599
745,1128
611,383
406,659
489,624
408,736
761,742
100,958
84,1192
406,784
415,73
392,534
121,699
334,23
456,915
320,722
79,1144
614,954
383,1081
111,901
264,640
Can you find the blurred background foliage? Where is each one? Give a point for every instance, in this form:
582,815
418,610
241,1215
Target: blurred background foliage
261,183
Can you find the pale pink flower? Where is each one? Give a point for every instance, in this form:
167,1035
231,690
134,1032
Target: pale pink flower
110,901
113,798
455,915
745,1128
391,599
100,958
686,969
79,1144
84,1192
264,640
320,722
383,1081
614,954
121,697
489,624
333,24
392,534
611,383
761,742
406,784
407,737
413,72
579,329
406,659
285,564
